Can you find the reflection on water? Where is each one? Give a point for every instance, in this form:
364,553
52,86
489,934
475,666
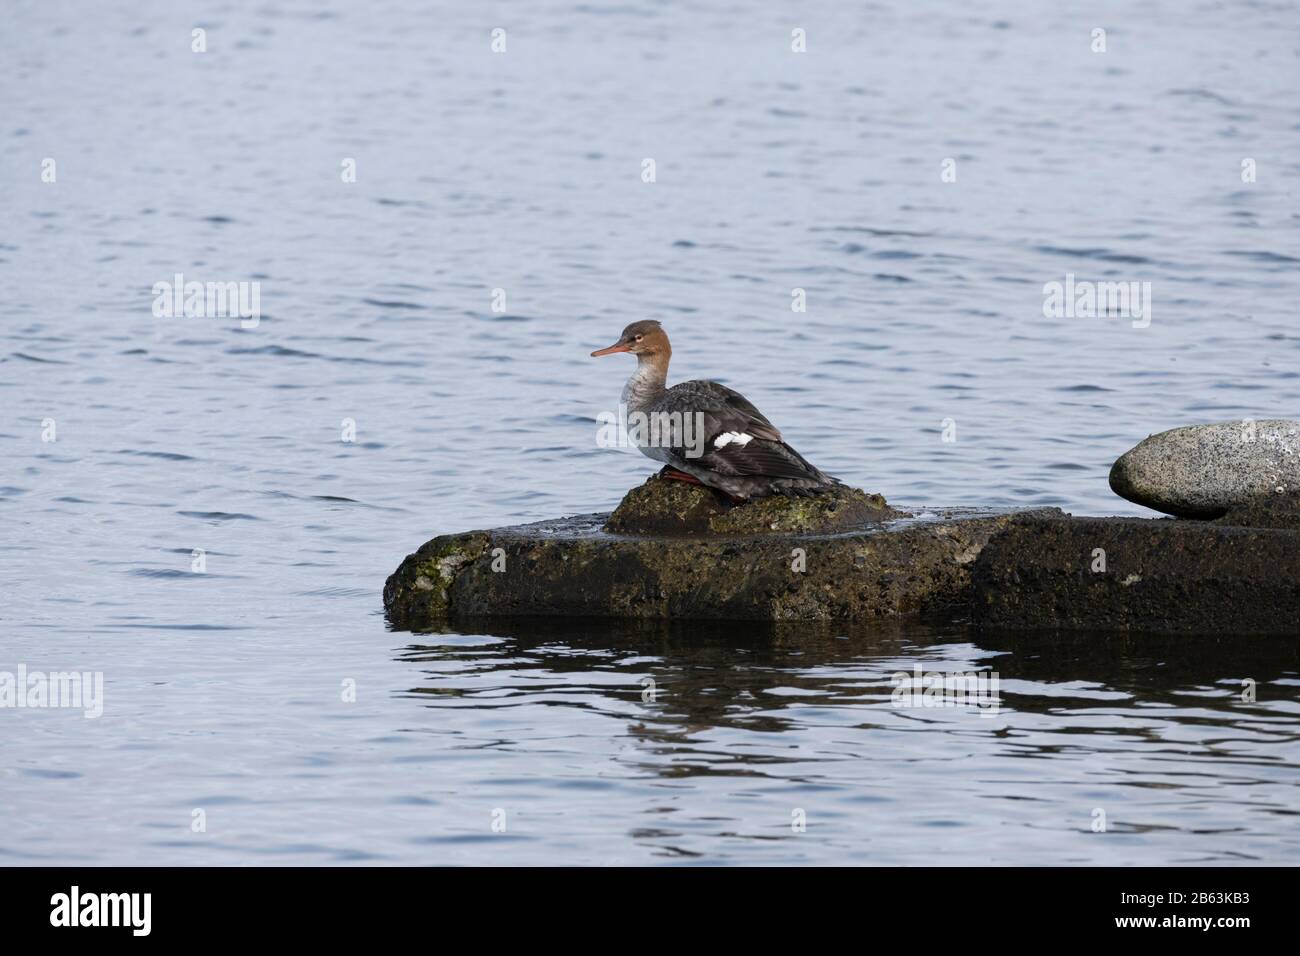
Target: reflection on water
704,742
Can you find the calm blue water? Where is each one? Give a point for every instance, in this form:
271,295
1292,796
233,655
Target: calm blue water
521,171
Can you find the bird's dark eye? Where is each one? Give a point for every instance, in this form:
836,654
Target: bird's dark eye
640,337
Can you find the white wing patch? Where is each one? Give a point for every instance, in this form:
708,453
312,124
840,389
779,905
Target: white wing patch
726,438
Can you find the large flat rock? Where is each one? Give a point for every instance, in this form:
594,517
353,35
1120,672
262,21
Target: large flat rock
1038,570
573,567
1056,572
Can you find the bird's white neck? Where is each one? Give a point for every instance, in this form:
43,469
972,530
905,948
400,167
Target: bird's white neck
647,382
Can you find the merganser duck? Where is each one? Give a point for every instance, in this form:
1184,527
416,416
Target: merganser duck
742,454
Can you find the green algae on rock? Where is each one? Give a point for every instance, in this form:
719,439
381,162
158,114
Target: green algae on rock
1028,570
663,506
572,567
420,587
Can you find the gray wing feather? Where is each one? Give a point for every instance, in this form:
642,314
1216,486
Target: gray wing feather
725,410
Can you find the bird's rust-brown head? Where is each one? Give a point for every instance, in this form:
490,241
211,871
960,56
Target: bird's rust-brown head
640,338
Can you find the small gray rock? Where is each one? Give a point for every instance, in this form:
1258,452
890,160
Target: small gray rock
1200,471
